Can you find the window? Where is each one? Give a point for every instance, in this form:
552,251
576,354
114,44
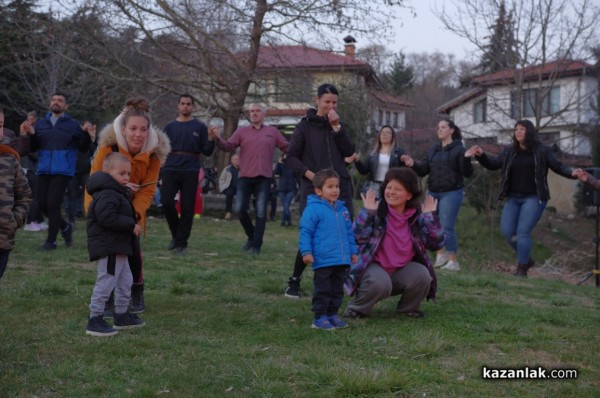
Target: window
380,117
548,99
388,118
550,137
395,119
258,90
480,111
293,89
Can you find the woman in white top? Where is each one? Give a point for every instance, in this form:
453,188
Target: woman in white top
385,155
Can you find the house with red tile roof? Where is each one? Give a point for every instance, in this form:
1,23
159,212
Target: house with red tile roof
287,78
557,97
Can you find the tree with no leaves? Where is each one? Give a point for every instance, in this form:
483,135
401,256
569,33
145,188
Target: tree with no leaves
212,47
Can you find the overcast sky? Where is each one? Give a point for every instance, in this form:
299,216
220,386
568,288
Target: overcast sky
424,32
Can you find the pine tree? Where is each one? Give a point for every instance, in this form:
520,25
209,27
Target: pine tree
399,76
501,51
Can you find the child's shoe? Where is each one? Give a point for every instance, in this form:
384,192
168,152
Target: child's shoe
322,323
337,322
97,326
440,260
48,246
451,266
293,287
127,320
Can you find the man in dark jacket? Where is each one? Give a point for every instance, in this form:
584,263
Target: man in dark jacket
319,142
57,138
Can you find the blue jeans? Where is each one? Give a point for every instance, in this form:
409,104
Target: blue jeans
286,201
519,217
448,207
260,188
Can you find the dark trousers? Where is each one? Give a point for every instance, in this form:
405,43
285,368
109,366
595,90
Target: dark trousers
328,290
229,195
74,199
259,187
3,260
51,191
186,182
34,214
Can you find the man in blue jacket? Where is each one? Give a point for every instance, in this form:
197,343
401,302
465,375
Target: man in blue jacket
57,138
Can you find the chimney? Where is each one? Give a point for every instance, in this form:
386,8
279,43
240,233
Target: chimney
349,47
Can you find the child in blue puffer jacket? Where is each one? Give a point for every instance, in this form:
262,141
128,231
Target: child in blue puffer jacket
327,241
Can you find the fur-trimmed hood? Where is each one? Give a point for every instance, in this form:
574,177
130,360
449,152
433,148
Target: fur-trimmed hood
157,142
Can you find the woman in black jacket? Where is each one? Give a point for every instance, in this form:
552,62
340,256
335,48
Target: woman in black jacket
524,185
384,156
446,166
319,142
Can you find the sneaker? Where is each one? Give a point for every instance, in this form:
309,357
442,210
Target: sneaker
171,245
97,326
322,323
33,227
451,266
337,322
351,314
127,320
48,246
440,260
67,234
293,287
43,225
247,246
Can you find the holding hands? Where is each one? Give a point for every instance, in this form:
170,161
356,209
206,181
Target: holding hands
352,158
475,150
581,174
407,160
429,205
213,132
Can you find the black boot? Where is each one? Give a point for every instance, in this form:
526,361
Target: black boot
523,268
136,305
109,306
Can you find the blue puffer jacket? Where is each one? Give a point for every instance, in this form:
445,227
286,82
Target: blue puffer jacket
57,145
326,233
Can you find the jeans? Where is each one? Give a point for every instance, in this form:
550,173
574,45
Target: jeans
519,217
260,188
286,201
448,207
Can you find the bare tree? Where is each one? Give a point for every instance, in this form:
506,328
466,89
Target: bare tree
548,35
212,47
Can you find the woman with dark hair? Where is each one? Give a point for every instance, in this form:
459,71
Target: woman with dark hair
384,155
319,142
446,166
393,235
524,185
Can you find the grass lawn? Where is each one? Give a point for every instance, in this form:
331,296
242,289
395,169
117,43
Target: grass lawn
218,325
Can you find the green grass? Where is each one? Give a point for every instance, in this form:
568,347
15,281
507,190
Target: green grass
219,326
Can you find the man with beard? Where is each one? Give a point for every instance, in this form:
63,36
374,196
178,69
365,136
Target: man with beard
189,139
57,138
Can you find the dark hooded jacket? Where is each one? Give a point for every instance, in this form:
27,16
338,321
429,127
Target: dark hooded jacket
446,167
110,217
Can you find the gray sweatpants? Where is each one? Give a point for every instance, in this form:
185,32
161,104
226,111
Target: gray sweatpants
113,274
411,281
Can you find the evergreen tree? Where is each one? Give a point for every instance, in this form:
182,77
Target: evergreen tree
501,51
399,76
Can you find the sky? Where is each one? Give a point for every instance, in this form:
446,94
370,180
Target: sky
424,32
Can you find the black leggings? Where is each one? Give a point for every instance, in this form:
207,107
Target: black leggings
51,191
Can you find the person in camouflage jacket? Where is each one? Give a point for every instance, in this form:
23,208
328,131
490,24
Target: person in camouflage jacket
15,198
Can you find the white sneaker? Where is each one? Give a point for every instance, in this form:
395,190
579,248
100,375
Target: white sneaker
43,225
33,227
440,260
451,266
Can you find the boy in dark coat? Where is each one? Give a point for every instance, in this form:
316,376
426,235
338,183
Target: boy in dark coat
111,229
